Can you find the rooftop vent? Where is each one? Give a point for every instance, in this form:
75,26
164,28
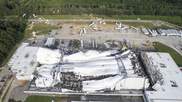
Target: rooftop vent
173,83
162,65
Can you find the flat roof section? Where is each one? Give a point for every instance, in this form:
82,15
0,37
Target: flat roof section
168,88
23,62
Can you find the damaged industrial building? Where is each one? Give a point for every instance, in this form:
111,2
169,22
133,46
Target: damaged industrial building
54,66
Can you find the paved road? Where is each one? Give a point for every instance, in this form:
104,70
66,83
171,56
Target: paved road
15,92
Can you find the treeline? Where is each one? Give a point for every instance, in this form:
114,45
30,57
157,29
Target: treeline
98,7
11,33
158,8
104,7
11,29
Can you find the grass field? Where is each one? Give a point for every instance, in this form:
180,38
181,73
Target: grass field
40,28
145,24
80,2
68,16
171,19
175,55
44,99
38,99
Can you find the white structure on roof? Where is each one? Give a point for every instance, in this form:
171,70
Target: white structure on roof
121,27
166,77
145,31
50,42
153,32
170,32
118,25
47,56
23,62
162,32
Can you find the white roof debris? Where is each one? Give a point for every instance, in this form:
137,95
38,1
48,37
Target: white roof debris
90,71
94,67
144,30
47,56
94,63
89,55
96,85
127,83
23,62
113,83
45,74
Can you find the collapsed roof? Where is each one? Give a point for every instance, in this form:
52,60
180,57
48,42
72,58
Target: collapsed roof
47,56
23,62
80,71
94,70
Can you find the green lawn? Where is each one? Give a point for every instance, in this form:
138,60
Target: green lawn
38,99
171,19
66,16
163,48
145,24
43,28
40,28
45,99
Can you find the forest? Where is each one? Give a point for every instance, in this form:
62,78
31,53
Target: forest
99,7
11,31
11,34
